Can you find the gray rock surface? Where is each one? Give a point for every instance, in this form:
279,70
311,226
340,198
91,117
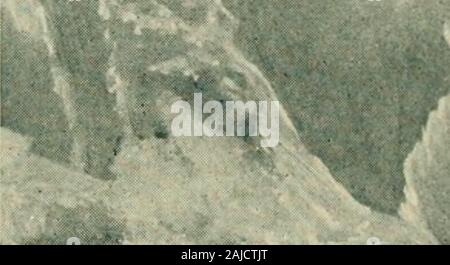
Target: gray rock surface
87,151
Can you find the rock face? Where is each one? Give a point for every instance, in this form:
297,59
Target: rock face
427,172
359,80
87,149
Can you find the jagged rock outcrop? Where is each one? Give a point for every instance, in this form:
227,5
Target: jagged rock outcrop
93,156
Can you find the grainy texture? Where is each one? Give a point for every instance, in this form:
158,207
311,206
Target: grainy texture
87,149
